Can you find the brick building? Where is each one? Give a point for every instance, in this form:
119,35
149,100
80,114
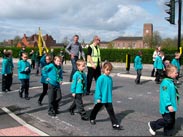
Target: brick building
132,42
32,41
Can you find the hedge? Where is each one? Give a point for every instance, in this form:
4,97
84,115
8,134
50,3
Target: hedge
112,55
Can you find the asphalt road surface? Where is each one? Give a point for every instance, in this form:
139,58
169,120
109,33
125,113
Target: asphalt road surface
133,104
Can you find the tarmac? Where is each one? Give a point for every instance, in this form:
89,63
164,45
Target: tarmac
12,125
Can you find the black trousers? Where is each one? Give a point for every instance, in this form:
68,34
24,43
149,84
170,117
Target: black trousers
159,73
45,89
139,73
54,97
167,122
109,108
24,88
92,73
7,81
78,103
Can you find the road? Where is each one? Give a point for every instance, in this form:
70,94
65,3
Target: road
134,106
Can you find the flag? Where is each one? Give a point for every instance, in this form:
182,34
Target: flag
41,44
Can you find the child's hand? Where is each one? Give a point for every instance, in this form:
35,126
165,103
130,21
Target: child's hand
61,82
98,101
170,108
73,94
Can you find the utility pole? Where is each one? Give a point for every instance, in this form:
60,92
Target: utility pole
179,25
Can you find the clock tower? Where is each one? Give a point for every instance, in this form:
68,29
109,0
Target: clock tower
148,30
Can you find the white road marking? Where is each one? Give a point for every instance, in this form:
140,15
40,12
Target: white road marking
134,76
22,122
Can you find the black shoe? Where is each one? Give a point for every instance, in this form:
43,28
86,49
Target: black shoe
85,118
71,112
27,98
20,95
117,127
92,122
57,112
52,114
9,89
39,103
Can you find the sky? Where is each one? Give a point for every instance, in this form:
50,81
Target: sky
109,19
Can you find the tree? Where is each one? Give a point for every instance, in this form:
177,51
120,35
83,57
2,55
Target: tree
16,40
65,41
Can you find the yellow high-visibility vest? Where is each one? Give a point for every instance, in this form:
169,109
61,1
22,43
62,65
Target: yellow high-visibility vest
95,56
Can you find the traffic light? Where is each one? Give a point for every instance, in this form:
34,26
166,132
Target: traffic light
171,11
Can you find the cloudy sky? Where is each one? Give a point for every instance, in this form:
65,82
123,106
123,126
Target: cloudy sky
63,18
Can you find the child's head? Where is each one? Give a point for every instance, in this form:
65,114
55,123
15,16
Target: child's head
171,71
6,54
10,52
48,59
81,65
161,53
107,68
140,53
177,55
24,56
167,63
58,60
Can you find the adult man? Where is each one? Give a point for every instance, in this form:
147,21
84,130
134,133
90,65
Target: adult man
73,49
93,62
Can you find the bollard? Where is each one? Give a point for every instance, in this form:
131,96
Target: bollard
127,63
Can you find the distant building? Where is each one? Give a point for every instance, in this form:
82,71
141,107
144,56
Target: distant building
131,42
32,41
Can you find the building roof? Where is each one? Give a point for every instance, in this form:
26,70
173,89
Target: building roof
128,38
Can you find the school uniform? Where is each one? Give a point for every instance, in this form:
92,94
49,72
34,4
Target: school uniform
159,66
78,87
45,85
168,97
53,75
176,63
6,74
24,70
103,93
138,68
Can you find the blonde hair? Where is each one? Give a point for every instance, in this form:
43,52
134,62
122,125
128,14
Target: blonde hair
107,65
58,57
80,62
170,69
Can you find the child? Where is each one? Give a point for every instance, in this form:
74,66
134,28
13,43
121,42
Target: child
176,63
10,76
138,66
168,103
24,70
53,75
103,96
6,72
43,80
78,88
159,66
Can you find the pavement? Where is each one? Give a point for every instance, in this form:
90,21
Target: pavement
12,125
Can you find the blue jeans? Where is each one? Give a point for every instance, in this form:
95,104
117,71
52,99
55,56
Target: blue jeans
74,67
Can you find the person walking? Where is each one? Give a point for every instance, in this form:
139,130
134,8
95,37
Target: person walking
48,60
155,54
78,88
53,75
93,62
24,70
169,97
103,96
138,66
74,49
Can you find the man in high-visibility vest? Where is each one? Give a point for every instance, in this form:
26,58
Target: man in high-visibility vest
93,62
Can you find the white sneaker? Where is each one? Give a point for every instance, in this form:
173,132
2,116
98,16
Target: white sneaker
151,130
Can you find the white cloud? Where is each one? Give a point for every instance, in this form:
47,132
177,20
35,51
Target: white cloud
60,18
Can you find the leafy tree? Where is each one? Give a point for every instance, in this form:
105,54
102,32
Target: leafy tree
16,40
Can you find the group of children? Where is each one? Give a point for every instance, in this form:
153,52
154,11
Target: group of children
51,78
169,95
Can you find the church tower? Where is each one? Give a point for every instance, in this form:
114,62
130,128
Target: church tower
148,30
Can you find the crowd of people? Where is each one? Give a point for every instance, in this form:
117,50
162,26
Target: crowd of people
50,66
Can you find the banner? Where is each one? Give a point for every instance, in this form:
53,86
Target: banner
41,44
